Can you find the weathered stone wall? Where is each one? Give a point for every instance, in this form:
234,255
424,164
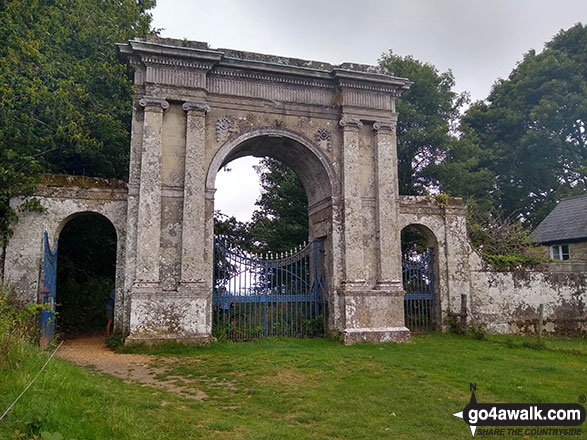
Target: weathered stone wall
63,198
508,302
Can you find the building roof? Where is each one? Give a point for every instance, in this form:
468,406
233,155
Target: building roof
566,222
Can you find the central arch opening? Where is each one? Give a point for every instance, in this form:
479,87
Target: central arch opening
270,271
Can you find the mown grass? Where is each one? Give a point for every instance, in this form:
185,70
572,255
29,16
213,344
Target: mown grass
298,389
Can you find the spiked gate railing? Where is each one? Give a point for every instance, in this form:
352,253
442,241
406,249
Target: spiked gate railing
419,299
48,290
276,294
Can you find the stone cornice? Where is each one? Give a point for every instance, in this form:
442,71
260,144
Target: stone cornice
371,87
145,48
227,63
176,62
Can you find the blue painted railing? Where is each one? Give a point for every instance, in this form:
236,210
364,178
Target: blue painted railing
278,294
419,299
48,287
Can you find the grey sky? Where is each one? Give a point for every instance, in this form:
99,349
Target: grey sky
479,40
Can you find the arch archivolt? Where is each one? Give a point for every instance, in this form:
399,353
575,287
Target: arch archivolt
110,211
302,155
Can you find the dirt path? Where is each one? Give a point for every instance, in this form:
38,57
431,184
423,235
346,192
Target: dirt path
138,368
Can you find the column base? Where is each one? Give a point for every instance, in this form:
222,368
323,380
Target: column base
376,335
157,315
203,339
374,314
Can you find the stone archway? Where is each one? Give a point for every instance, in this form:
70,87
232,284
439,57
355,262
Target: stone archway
63,198
197,108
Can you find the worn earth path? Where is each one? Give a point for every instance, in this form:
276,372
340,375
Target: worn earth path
90,351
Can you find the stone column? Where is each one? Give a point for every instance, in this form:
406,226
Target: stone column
354,277
193,264
389,268
149,215
134,176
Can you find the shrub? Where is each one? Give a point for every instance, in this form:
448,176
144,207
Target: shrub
115,342
455,325
478,331
17,322
504,243
511,261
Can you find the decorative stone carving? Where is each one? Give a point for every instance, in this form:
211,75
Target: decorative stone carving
352,123
385,126
323,135
169,284
196,106
175,62
149,101
223,126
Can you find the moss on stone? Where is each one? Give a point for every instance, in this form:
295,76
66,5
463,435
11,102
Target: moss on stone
64,180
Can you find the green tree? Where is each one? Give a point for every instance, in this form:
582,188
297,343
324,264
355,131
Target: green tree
232,232
65,99
462,173
281,221
532,128
427,111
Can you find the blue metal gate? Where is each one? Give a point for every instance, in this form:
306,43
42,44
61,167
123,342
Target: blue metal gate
279,294
419,299
48,286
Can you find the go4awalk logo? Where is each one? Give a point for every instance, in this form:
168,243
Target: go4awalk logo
493,418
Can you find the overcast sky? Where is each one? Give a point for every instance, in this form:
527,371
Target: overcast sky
479,40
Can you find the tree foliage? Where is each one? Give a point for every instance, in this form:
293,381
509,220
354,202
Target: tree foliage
462,172
532,128
232,232
65,99
281,221
434,152
427,112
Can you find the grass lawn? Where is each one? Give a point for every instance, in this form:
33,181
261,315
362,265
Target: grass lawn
299,389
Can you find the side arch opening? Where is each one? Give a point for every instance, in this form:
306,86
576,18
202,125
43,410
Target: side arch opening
420,275
86,272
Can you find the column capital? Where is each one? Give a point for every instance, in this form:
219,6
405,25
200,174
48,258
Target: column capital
350,123
385,126
150,102
196,106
